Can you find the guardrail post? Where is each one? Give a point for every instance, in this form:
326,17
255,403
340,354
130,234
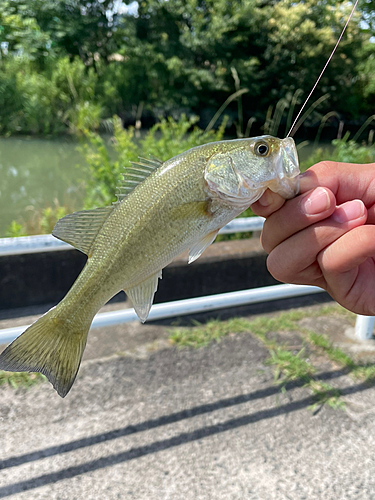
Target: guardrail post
364,327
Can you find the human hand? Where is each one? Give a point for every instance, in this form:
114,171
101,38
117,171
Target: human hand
326,235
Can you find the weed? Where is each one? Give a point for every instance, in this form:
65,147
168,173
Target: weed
334,353
324,393
344,150
15,229
164,140
38,221
359,371
202,334
21,379
365,372
288,366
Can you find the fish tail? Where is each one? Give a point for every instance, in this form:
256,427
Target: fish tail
52,346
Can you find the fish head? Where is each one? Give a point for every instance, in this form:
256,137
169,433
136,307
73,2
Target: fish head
240,171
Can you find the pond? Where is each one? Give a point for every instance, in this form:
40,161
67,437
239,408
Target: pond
37,172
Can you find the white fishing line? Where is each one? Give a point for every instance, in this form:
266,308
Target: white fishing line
290,134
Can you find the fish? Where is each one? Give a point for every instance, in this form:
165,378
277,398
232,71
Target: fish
163,208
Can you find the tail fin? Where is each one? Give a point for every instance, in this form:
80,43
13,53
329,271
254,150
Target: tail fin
51,346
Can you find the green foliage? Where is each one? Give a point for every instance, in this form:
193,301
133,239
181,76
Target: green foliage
171,137
325,394
20,379
334,353
164,140
366,69
169,57
85,116
49,102
38,221
15,230
105,166
49,217
21,31
344,151
202,334
289,366
364,372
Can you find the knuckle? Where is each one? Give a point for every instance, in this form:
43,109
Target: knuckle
278,269
267,238
326,165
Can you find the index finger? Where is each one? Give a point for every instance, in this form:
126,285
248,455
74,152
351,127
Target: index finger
347,181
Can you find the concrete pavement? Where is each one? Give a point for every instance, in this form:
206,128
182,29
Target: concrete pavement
155,422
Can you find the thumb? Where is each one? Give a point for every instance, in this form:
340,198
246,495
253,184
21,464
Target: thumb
268,203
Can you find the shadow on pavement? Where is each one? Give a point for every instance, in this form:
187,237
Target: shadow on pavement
165,444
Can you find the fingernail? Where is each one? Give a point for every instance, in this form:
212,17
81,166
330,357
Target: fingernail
348,211
316,202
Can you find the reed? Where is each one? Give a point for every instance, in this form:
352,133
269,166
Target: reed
362,128
323,121
220,111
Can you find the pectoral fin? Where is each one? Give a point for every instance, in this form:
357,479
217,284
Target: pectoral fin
200,246
142,295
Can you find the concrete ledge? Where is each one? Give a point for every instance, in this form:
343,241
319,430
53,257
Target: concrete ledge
44,278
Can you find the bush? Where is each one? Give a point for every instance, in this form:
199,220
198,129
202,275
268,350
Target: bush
15,229
343,150
37,221
164,140
47,103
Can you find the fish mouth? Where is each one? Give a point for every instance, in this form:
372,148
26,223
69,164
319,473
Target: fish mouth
288,169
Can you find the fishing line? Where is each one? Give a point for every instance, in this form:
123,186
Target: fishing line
291,131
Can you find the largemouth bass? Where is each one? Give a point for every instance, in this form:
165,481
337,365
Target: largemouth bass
163,208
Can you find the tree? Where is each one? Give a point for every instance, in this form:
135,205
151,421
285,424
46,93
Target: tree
275,47
20,32
190,55
72,27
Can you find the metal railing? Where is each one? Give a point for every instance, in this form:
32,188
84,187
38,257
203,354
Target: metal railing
188,306
46,243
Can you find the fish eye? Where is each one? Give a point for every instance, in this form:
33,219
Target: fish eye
261,149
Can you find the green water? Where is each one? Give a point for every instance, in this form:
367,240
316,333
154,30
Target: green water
35,173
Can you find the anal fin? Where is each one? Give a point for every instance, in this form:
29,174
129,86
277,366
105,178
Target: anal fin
142,295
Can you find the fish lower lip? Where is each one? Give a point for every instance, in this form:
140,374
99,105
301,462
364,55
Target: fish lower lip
297,186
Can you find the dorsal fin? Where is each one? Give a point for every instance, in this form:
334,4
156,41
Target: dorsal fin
81,228
135,174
